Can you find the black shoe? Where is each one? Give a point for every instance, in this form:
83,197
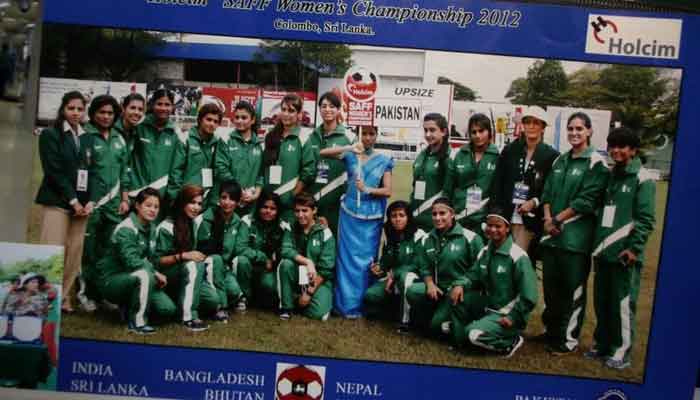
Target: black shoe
242,305
221,316
518,343
141,330
196,325
403,329
560,350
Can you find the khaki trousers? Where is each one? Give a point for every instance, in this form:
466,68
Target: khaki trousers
521,235
59,227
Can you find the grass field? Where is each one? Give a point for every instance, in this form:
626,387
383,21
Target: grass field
259,330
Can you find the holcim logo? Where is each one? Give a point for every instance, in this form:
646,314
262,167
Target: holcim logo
634,36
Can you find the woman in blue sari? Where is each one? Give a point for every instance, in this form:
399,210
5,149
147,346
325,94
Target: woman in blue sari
361,216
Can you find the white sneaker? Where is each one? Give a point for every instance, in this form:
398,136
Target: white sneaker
242,305
86,304
446,327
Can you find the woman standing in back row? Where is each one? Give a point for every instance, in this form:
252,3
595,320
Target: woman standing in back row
331,178
571,198
521,171
154,148
63,193
288,160
469,174
430,169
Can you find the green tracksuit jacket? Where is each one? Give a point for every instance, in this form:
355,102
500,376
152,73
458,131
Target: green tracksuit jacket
107,161
449,256
232,269
331,178
632,192
264,243
125,275
190,160
432,170
296,157
132,247
400,259
241,161
60,161
508,279
446,258
577,183
129,136
152,157
463,172
319,246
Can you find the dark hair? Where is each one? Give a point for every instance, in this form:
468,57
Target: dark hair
132,97
498,210
444,152
265,196
392,236
274,138
305,199
143,195
247,107
209,108
216,245
586,122
272,242
331,97
623,136
157,95
183,224
480,120
67,97
101,101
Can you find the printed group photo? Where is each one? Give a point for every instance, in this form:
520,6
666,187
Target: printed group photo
354,202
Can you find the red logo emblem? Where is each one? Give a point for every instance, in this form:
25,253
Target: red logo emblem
299,382
599,25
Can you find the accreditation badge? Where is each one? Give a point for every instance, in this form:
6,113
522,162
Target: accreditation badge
520,192
419,190
303,276
474,195
322,170
82,183
275,174
207,178
608,216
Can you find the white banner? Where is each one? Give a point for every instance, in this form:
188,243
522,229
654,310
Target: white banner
51,90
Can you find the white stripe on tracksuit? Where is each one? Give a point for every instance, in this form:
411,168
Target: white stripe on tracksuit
139,318
572,219
406,315
572,342
613,237
331,186
157,185
191,267
427,204
286,187
625,329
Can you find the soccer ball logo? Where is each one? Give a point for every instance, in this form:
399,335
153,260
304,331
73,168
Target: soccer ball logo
361,84
299,382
